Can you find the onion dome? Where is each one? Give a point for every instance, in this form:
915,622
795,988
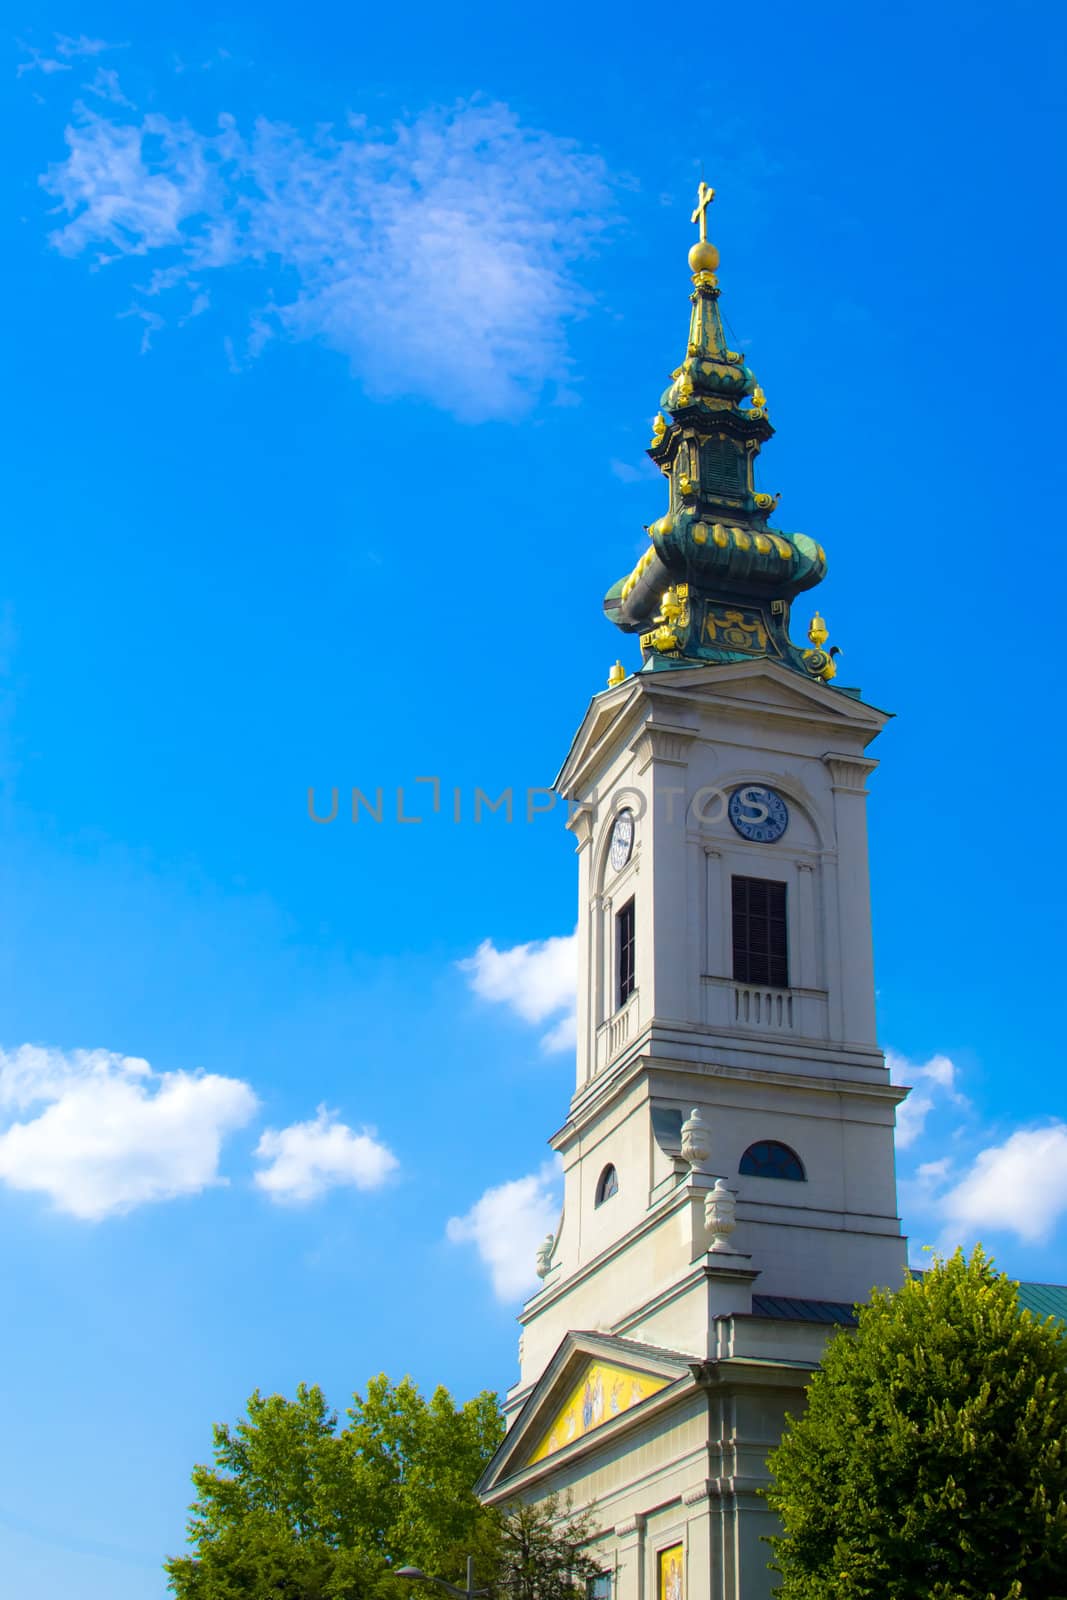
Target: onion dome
717,581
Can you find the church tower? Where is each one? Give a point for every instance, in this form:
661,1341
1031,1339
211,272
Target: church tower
728,1154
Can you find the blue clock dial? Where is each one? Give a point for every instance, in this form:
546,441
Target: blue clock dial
758,813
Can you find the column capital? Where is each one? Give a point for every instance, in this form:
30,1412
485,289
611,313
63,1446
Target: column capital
662,742
580,822
848,772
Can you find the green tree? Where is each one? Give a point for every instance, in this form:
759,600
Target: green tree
931,1460
541,1554
295,1507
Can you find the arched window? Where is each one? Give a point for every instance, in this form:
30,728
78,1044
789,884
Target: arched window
607,1185
769,1159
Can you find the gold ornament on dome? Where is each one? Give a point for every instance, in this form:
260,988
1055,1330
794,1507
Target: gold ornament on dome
818,632
663,639
819,662
674,606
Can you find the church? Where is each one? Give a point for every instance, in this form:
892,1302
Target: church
729,1188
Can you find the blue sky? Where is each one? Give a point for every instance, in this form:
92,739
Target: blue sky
334,336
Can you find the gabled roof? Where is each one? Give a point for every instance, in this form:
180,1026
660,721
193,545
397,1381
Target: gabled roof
528,1443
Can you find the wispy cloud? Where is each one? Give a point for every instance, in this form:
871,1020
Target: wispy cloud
103,1133
437,255
506,1226
640,470
932,1083
306,1159
64,52
535,980
105,85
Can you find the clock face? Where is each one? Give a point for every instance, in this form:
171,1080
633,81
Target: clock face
622,840
758,814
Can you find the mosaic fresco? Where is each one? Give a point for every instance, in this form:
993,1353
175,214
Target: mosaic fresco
603,1391
670,1580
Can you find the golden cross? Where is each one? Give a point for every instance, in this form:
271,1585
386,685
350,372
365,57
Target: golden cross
705,196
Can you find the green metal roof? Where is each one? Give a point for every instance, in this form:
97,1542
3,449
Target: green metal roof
831,1312
1043,1299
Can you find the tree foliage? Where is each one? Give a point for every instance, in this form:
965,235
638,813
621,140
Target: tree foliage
295,1507
931,1461
541,1552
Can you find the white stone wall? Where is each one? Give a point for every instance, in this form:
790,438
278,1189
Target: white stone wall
800,1066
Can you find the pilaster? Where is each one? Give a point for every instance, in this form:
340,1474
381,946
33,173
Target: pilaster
629,1558
853,906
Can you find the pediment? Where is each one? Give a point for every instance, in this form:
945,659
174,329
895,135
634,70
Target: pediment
765,686
613,712
754,688
594,1384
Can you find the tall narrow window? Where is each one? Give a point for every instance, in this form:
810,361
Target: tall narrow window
761,943
625,953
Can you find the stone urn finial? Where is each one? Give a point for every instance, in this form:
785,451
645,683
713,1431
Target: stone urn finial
544,1255
720,1215
696,1141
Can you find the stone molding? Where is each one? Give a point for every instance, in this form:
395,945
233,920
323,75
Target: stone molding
663,742
849,772
580,823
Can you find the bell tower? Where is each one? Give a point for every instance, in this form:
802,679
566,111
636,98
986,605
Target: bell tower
728,1151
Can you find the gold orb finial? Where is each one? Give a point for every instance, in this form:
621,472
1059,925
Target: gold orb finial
818,633
616,675
703,257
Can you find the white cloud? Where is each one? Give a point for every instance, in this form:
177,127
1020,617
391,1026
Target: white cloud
307,1158
37,61
82,46
1019,1186
109,1133
535,980
933,1082
130,188
105,85
66,47
437,255
506,1226
640,470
